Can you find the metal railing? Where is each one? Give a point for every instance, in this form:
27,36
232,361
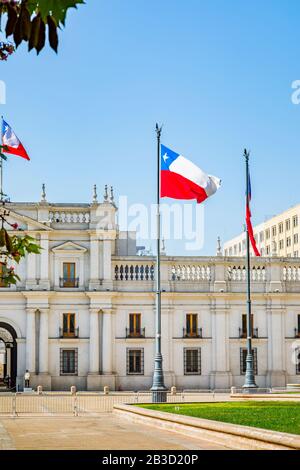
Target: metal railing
68,334
140,333
69,282
197,333
243,333
91,403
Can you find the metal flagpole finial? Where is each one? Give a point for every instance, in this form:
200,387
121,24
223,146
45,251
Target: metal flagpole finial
95,196
105,197
246,154
158,130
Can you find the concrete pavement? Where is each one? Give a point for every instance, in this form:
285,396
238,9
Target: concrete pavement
105,432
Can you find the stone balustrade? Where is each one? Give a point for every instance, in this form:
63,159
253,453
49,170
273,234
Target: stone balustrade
69,217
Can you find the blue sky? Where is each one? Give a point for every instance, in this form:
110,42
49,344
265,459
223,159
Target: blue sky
217,73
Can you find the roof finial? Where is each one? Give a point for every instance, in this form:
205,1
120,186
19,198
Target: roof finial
219,247
43,195
111,194
105,197
95,196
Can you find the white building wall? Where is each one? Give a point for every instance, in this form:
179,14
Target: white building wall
113,286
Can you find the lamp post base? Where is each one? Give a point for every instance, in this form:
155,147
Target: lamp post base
159,395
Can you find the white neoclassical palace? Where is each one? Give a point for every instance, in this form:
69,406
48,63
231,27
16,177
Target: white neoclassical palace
84,311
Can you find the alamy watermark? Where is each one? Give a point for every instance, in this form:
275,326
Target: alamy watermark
178,221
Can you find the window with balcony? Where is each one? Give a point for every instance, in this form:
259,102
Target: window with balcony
297,357
135,361
243,330
192,361
191,329
297,329
135,329
243,357
69,329
69,361
69,278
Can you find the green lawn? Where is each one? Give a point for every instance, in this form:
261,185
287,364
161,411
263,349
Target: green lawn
275,415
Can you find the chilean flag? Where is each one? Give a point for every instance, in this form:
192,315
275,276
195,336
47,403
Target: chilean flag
11,142
181,179
248,219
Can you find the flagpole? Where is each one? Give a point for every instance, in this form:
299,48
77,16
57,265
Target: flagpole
249,375
159,392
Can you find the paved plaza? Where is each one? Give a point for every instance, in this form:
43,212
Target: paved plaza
105,432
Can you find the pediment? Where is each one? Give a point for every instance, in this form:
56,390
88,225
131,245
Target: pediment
69,247
24,221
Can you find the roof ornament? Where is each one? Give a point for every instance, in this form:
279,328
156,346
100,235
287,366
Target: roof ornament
95,195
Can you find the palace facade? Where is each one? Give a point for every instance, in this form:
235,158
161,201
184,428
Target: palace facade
83,313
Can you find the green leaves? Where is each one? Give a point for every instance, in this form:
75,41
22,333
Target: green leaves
30,20
14,248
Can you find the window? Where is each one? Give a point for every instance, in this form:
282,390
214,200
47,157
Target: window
267,234
243,357
274,231
243,332
69,275
135,324
235,249
295,221
280,227
297,330
192,361
281,244
288,241
267,249
68,361
240,247
69,325
261,236
230,251
296,238
262,252
191,325
288,224
226,253
135,361
297,357
296,254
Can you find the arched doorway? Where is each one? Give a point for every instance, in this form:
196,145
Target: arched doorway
8,356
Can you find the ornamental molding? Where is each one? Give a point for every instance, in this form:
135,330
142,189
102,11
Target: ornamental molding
69,247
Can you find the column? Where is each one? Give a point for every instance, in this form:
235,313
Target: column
276,350
220,375
107,342
94,342
30,340
94,263
44,342
31,271
107,263
44,256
